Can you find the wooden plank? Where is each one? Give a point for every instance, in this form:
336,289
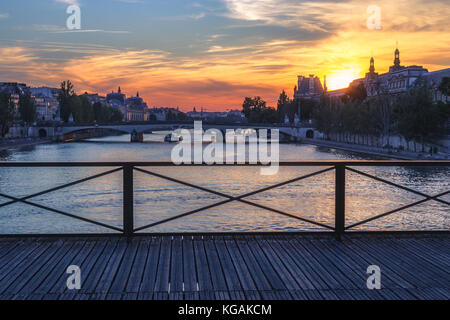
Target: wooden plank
84,259
145,296
59,271
314,294
329,267
230,274
15,257
175,296
130,296
7,247
151,267
189,268
432,249
375,257
137,271
396,262
221,295
346,294
203,273
243,273
97,266
237,295
274,269
321,271
191,296
420,249
310,274
120,281
297,273
440,276
176,269
217,276
390,278
111,269
15,270
163,274
50,267
355,273
37,272
261,282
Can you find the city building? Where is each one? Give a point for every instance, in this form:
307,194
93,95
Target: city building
309,87
117,100
163,114
15,90
397,80
228,116
94,98
46,101
135,109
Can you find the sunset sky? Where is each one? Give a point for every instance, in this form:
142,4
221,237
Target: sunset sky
213,53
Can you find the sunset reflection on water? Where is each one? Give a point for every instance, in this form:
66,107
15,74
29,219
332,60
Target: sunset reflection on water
157,199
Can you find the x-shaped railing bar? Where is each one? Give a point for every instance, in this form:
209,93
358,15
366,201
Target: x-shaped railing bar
24,199
232,198
426,196
397,210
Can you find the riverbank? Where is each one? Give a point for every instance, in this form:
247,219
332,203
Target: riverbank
375,151
7,144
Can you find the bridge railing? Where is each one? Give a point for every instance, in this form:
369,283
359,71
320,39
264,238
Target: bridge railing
128,168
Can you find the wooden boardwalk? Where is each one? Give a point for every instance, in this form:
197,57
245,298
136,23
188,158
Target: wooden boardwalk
413,266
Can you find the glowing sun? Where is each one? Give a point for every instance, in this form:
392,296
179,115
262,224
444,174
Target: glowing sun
341,78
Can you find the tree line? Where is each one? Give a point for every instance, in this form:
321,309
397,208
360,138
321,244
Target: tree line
256,110
82,110
26,111
70,104
355,116
412,115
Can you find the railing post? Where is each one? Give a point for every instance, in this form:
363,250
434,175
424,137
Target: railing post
340,201
128,202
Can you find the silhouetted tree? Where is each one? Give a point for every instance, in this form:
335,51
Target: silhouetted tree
27,108
65,99
6,113
444,86
256,111
355,94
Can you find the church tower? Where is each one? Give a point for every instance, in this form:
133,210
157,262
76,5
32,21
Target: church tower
372,65
396,65
397,59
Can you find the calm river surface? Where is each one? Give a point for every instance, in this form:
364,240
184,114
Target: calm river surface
157,199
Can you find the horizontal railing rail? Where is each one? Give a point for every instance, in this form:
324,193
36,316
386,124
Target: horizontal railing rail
129,168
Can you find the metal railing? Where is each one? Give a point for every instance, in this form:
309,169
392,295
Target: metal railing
128,169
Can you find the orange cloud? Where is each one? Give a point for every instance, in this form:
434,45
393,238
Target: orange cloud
220,76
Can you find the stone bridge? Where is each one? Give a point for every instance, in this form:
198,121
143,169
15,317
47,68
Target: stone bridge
83,131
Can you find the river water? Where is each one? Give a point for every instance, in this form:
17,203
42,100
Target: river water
157,199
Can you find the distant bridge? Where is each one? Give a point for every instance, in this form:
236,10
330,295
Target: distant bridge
291,132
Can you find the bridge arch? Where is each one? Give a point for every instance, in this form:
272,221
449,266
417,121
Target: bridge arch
87,129
42,133
310,134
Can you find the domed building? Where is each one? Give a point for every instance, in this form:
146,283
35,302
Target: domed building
133,108
136,109
116,99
